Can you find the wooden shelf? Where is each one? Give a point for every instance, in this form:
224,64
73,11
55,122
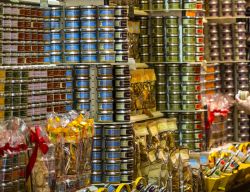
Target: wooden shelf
140,13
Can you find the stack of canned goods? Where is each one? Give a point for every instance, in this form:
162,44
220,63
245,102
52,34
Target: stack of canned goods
226,8
71,35
144,39
105,110
212,79
21,35
228,79
226,39
157,37
218,131
230,127
214,45
240,49
82,88
161,88
144,4
115,164
52,36
172,39
243,124
193,39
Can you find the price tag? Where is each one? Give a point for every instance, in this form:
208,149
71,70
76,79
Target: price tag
190,13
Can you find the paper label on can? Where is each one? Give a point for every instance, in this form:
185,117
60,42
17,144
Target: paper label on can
72,36
105,94
69,84
68,73
46,59
122,35
72,24
55,24
106,12
72,58
106,106
69,96
72,47
106,23
56,47
112,167
105,117
121,58
83,106
108,58
107,46
88,23
72,13
105,83
47,48
106,35
113,155
119,23
56,59
105,71
111,144
89,46
83,95
82,83
55,36
88,12
89,58
88,35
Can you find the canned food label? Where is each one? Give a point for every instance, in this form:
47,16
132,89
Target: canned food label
106,46
55,25
83,95
96,142
72,59
83,106
106,12
82,83
56,47
88,12
72,24
105,71
119,23
121,35
121,58
55,36
105,117
122,117
106,106
69,84
121,46
72,47
88,35
89,46
112,132
82,72
112,144
122,106
96,167
105,83
68,73
107,58
47,48
106,23
89,58
72,36
106,35
88,23
113,155
112,167
69,96
105,94
72,13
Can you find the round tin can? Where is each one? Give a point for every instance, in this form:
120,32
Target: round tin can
171,20
127,164
82,83
72,47
126,141
104,94
191,97
121,45
186,77
112,166
187,135
88,23
190,117
55,36
191,125
98,131
106,22
83,95
88,46
112,131
175,96
188,21
72,57
55,12
172,48
191,87
121,34
105,105
158,5
188,143
96,177
56,58
82,71
72,35
113,178
88,11
97,166
126,130
121,11
106,34
172,31
106,45
113,142
55,24
104,82
121,22
122,82
191,105
122,70
97,143
127,176
122,116
89,57
123,104
105,70
72,12
122,93
105,117
107,57
121,56
83,105
88,35
113,155
72,23
106,11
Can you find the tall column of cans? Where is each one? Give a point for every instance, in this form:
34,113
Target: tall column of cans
172,39
226,40
144,49
161,87
214,43
240,37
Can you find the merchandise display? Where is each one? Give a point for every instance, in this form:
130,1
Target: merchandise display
124,95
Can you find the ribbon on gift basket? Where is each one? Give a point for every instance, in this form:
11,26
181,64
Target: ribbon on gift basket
40,143
7,147
211,115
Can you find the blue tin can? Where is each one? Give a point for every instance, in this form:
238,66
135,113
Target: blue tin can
113,142
72,12
84,105
69,96
82,83
108,34
46,59
68,73
46,24
56,47
69,85
55,12
46,13
88,23
112,131
104,94
47,48
113,155
113,179
98,131
112,166
105,105
72,57
110,188
56,59
97,143
96,166
106,46
104,70
106,11
72,35
96,155
68,107
87,46
72,24
82,71
56,36
83,95
72,47
88,11
96,178
47,36
105,117
105,82
89,57
107,57
55,24
88,35
106,22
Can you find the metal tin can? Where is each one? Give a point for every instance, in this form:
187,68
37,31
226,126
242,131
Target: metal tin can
105,82
106,22
114,178
188,143
191,105
121,56
121,93
72,12
112,131
113,155
89,57
85,95
88,46
126,130
121,11
107,57
112,166
72,35
82,83
82,71
105,117
105,105
72,23
113,142
126,141
98,131
83,105
55,24
121,34
55,58
72,57
106,11
88,35
106,45
122,116
188,21
121,45
55,12
127,153
122,82
55,36
121,22
123,104
97,166
105,70
72,46
96,178
88,23
106,34
88,11
104,94
127,164
97,143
